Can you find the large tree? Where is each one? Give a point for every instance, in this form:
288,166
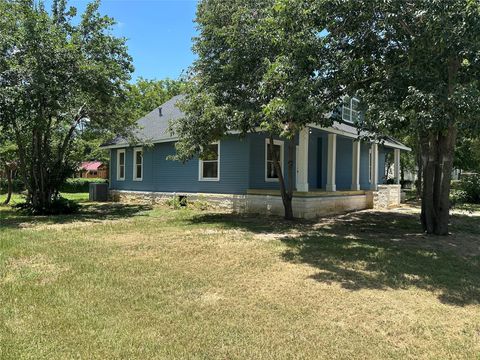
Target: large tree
59,76
261,66
416,65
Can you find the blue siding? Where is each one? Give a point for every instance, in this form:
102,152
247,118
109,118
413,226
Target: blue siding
343,174
242,166
160,174
257,164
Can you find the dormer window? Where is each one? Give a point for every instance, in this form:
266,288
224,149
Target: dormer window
350,110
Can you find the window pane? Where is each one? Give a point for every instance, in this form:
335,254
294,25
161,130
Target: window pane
139,157
210,169
355,104
271,172
122,171
139,172
346,114
277,149
122,158
210,152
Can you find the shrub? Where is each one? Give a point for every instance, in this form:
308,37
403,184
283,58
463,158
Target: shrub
79,185
177,202
18,186
406,184
59,206
470,189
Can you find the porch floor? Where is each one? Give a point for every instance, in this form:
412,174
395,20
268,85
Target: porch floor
311,193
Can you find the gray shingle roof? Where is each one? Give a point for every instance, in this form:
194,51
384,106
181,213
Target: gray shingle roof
153,127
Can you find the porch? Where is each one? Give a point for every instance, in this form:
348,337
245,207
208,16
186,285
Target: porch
333,159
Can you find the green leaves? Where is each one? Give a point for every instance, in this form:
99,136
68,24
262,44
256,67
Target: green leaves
260,64
60,79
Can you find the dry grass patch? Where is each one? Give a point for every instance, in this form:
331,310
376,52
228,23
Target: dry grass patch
204,285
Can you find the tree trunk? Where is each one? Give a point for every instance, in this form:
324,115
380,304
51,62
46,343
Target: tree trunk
437,156
429,151
287,195
10,185
443,178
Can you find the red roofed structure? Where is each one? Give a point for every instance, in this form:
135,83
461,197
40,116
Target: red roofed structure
93,169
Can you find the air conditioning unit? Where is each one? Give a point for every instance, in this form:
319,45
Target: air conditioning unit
98,192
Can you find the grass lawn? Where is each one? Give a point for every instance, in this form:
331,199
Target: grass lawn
131,281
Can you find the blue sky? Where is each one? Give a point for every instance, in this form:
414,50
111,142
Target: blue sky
159,33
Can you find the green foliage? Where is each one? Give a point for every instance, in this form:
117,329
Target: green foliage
59,206
145,95
260,64
177,202
467,154
17,186
414,63
416,67
62,82
470,189
79,185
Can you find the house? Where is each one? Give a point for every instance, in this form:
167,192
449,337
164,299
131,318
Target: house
335,173
92,169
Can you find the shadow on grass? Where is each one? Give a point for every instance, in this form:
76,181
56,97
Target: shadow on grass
377,250
89,212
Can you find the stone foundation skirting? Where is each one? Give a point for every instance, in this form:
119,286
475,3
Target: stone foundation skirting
303,207
387,196
222,201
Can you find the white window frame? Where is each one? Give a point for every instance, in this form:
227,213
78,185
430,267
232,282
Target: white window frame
282,150
135,151
350,107
200,165
121,151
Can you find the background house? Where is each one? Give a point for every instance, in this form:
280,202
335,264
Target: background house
93,169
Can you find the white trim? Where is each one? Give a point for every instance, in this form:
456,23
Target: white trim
374,171
356,151
331,163
281,144
200,165
302,160
396,165
135,151
121,151
355,136
370,165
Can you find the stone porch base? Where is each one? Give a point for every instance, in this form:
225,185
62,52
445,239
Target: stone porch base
305,205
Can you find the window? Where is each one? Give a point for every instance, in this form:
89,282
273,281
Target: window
350,110
120,164
270,171
209,163
137,164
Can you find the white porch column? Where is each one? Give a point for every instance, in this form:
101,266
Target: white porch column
396,165
332,162
356,165
374,167
302,181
